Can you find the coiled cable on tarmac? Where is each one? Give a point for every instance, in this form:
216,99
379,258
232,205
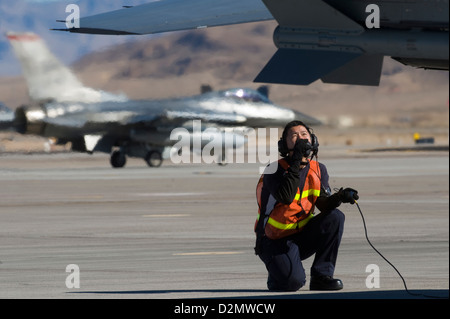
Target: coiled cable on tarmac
392,265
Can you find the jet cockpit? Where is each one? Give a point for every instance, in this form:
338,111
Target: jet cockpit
247,95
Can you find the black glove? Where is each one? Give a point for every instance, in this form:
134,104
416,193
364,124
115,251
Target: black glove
348,195
302,149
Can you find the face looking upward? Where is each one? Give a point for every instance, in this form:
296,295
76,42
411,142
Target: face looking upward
295,133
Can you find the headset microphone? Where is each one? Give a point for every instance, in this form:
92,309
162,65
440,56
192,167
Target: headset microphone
310,150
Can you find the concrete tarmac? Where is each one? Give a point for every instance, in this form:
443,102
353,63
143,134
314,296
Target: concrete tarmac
186,231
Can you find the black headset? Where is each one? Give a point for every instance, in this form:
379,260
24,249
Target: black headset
282,146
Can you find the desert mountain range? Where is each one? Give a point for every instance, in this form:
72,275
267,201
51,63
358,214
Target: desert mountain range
177,64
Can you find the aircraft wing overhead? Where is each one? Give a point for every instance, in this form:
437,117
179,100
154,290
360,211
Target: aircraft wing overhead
330,40
174,15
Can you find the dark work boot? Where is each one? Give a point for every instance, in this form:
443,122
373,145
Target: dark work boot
325,283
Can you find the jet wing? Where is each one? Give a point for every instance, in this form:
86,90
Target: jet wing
210,117
89,117
174,15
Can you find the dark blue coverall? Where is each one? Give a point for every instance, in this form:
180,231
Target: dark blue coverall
321,236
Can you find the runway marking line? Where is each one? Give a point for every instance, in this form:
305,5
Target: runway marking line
210,253
165,215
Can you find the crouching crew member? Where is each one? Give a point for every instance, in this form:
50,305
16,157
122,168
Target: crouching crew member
288,228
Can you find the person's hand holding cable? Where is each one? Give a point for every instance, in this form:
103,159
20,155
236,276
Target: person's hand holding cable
348,195
328,201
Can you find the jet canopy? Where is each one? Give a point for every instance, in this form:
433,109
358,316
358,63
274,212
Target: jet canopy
247,95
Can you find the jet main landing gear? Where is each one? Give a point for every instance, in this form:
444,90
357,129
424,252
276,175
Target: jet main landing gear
154,159
119,158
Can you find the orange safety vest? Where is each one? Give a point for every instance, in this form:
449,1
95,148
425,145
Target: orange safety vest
284,220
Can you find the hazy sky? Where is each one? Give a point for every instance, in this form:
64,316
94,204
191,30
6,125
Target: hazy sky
39,16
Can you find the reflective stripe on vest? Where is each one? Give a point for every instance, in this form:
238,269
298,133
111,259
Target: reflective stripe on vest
285,220
293,226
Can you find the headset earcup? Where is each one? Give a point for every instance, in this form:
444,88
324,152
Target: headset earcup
282,148
315,144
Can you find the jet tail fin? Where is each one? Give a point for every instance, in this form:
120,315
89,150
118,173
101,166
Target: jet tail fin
47,78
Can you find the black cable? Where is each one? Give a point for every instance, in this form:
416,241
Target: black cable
398,272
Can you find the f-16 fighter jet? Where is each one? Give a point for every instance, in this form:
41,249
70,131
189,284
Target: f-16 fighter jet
92,120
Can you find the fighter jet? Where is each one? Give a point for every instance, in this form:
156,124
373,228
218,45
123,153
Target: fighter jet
64,109
337,41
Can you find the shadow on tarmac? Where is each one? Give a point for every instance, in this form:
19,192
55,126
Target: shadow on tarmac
373,294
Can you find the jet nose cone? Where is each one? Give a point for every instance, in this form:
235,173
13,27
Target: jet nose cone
308,120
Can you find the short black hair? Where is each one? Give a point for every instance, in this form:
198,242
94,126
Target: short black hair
293,124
